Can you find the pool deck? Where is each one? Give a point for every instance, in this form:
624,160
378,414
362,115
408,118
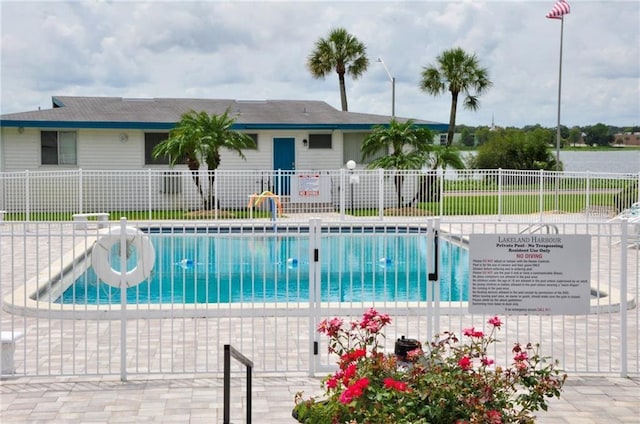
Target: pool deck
170,398
585,400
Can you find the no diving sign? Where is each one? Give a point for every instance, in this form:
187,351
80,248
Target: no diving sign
533,274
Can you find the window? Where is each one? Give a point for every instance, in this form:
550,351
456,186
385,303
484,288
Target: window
443,139
151,140
58,147
319,141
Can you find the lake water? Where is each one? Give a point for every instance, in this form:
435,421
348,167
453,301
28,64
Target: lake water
627,161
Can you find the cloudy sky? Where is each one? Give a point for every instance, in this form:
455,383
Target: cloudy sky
258,50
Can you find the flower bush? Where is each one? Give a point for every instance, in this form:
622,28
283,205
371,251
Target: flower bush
447,382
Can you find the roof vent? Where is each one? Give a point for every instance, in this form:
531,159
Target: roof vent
131,99
251,101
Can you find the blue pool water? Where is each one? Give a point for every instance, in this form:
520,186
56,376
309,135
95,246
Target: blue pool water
261,267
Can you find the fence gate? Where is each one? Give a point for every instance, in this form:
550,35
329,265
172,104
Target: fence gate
398,263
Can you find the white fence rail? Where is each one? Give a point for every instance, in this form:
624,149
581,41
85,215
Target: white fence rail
180,194
251,284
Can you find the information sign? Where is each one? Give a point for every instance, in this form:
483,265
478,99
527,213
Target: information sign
534,274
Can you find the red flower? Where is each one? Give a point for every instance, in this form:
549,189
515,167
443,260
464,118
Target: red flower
495,321
346,397
353,355
472,332
373,321
494,417
521,366
332,383
354,391
465,363
521,356
330,327
487,361
414,354
348,374
390,383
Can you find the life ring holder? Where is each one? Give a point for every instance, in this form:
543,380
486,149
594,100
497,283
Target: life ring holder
101,252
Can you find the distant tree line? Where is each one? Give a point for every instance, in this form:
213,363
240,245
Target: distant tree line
593,135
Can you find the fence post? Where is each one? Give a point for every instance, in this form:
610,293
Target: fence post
587,204
342,193
499,194
623,297
80,191
149,197
123,299
27,196
541,195
433,278
315,275
216,199
381,194
441,189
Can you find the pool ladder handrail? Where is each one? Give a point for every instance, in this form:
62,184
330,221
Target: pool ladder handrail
536,228
229,352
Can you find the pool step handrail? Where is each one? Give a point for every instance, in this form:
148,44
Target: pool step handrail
537,228
230,351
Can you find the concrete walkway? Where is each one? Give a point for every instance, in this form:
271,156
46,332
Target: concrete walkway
585,400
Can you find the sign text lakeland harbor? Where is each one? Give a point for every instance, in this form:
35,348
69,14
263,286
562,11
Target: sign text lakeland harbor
529,274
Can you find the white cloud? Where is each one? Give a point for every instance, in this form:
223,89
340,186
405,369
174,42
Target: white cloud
253,50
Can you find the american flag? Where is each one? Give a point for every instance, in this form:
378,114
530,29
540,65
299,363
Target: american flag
559,9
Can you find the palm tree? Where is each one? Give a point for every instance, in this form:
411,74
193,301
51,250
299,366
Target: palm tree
340,51
457,72
199,137
410,146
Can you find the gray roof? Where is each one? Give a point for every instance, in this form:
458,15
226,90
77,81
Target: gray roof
118,112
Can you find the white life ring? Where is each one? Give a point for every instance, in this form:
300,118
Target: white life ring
101,255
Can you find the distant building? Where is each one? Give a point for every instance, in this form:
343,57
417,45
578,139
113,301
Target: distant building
627,139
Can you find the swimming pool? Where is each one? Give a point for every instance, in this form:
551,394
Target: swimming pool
258,267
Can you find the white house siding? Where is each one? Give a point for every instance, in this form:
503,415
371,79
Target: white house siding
260,158
20,150
305,158
314,159
104,149
107,150
96,149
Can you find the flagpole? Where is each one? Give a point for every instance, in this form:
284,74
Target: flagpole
558,127
559,95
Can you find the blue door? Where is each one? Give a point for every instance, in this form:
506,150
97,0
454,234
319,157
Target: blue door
284,154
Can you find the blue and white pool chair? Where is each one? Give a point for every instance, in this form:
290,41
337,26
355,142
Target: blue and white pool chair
632,217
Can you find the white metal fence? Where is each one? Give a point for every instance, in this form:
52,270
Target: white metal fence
182,195
276,329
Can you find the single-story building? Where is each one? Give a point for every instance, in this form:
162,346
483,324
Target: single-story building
103,133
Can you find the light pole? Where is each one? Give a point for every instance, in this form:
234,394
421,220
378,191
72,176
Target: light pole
351,165
393,88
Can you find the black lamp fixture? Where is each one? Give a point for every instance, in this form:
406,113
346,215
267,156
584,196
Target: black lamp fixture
305,142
